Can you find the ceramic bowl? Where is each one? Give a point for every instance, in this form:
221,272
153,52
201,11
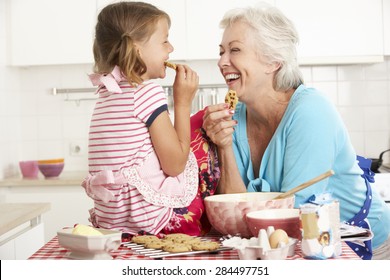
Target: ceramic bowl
85,247
29,169
51,171
226,212
285,219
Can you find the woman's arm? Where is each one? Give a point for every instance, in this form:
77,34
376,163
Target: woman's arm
172,143
230,181
219,127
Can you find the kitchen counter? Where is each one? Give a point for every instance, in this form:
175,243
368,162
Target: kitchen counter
69,202
13,215
21,229
65,179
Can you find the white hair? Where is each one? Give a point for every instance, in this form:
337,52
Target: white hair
276,39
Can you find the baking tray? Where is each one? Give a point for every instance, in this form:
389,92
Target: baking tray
159,254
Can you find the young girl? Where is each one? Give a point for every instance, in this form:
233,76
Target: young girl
140,165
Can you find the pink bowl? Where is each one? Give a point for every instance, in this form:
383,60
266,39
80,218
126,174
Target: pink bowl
226,212
285,219
29,169
51,171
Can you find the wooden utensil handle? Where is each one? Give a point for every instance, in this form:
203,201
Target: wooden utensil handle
306,184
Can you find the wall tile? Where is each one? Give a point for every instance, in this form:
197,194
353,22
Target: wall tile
72,75
387,62
376,71
307,74
29,128
30,150
351,93
324,73
357,140
78,162
353,118
29,102
75,126
376,118
350,73
78,108
48,104
376,93
48,149
376,142
50,127
329,89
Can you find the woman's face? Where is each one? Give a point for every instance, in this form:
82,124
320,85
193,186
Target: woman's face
240,62
155,51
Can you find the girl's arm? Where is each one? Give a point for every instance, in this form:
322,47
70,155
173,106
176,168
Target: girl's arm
172,143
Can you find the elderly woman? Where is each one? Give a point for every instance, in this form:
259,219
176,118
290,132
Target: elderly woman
283,133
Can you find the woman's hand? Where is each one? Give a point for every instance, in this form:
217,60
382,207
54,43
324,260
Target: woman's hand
218,124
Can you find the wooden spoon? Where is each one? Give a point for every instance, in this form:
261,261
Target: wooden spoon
305,185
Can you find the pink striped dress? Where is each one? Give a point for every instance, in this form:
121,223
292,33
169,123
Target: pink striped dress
130,191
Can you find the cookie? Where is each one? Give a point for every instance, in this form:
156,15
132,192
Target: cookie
231,99
178,237
177,248
157,244
205,246
192,241
142,239
170,65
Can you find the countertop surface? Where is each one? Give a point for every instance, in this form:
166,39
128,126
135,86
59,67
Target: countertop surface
13,215
65,179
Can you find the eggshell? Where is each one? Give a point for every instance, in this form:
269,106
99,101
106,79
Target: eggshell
277,237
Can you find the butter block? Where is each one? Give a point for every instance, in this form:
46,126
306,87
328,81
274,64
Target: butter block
86,230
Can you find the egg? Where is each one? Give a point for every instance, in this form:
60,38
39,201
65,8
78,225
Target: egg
277,237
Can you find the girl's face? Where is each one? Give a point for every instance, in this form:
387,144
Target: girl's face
155,51
240,63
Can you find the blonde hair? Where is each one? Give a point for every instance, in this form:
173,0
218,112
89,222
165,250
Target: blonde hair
275,37
118,27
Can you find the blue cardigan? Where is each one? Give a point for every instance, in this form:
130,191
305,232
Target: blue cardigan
310,140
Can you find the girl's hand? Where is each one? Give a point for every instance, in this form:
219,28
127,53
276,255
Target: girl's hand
185,86
218,124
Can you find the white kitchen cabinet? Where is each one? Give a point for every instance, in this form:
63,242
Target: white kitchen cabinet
331,32
21,229
386,26
47,32
203,32
177,32
69,204
334,32
24,245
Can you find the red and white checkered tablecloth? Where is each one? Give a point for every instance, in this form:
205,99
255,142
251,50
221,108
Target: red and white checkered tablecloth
53,251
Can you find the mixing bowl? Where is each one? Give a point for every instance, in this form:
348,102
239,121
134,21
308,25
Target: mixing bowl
226,212
52,170
285,219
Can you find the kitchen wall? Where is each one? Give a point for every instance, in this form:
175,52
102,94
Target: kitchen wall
35,124
10,130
